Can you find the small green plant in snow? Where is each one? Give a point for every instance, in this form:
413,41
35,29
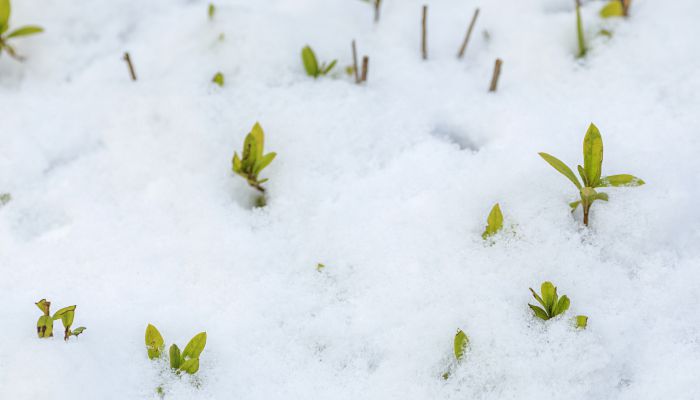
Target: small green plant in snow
311,65
579,31
581,321
186,360
5,12
460,345
494,222
218,79
5,198
253,160
552,304
44,326
211,10
590,173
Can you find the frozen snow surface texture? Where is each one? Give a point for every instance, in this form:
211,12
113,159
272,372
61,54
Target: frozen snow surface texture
124,202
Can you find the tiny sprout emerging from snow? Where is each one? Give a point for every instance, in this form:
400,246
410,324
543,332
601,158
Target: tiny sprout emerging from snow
461,343
579,31
186,360
615,8
5,11
211,11
44,326
313,69
253,160
494,222
581,321
552,304
320,267
218,79
590,173
5,198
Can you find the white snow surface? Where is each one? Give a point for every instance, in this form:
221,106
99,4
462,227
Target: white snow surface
124,201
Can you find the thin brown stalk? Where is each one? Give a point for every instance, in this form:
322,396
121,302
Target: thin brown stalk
365,68
354,63
496,75
127,58
424,36
469,34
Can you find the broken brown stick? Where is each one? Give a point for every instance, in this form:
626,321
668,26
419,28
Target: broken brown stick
354,62
424,43
365,68
127,58
469,34
496,75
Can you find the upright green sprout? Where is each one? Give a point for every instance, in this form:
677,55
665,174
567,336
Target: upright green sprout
579,31
44,326
5,198
211,11
308,57
590,173
253,160
5,11
494,222
218,79
552,304
186,360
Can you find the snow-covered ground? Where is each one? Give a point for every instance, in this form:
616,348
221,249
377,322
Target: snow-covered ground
124,202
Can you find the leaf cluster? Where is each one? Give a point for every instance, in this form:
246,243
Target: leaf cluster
552,304
6,34
253,159
44,326
186,360
311,65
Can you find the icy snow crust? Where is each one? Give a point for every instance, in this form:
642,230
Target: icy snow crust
124,202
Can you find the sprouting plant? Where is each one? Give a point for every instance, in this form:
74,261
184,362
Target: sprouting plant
320,267
311,65
5,198
44,326
5,11
253,160
552,304
615,8
581,321
461,343
218,79
579,31
211,10
494,222
591,173
186,360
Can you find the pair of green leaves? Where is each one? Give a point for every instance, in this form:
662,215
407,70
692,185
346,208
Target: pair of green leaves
552,304
186,360
591,172
494,222
44,326
253,160
460,345
313,69
5,12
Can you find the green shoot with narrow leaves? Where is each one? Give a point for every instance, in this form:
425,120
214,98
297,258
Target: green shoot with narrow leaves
6,34
460,346
552,304
44,326
494,222
253,159
311,65
186,360
591,173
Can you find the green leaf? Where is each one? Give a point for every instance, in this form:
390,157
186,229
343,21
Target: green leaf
539,313
561,306
562,168
59,314
574,205
77,331
494,222
549,293
195,347
218,79
581,321
154,342
601,196
211,10
460,344
265,161
44,326
538,298
249,154
43,305
310,63
236,163
579,32
620,180
5,11
175,359
592,155
330,67
25,31
614,8
259,136
582,174
190,366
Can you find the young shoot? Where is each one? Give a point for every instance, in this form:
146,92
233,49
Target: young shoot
494,222
218,79
552,304
44,326
461,343
311,65
590,173
211,11
6,34
186,360
581,321
579,31
253,160
5,198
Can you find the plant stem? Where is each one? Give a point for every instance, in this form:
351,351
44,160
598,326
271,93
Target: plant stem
377,6
586,211
365,68
579,30
354,63
127,58
496,75
469,34
424,40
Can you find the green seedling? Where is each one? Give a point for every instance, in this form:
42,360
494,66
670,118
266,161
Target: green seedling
253,160
494,222
308,57
590,173
186,360
5,11
211,11
581,321
579,31
320,267
218,79
44,326
552,304
5,198
461,343
615,8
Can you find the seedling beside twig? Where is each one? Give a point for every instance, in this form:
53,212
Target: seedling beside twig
494,222
313,69
253,160
590,173
463,49
186,360
5,12
579,31
218,79
552,304
461,343
496,75
44,326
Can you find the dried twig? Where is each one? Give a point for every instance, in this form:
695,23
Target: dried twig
365,68
496,75
469,34
127,58
354,63
424,44
377,6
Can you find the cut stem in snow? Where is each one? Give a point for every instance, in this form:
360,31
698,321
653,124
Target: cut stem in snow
354,62
469,34
127,58
365,68
424,38
496,75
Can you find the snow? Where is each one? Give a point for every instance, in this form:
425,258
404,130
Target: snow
124,202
